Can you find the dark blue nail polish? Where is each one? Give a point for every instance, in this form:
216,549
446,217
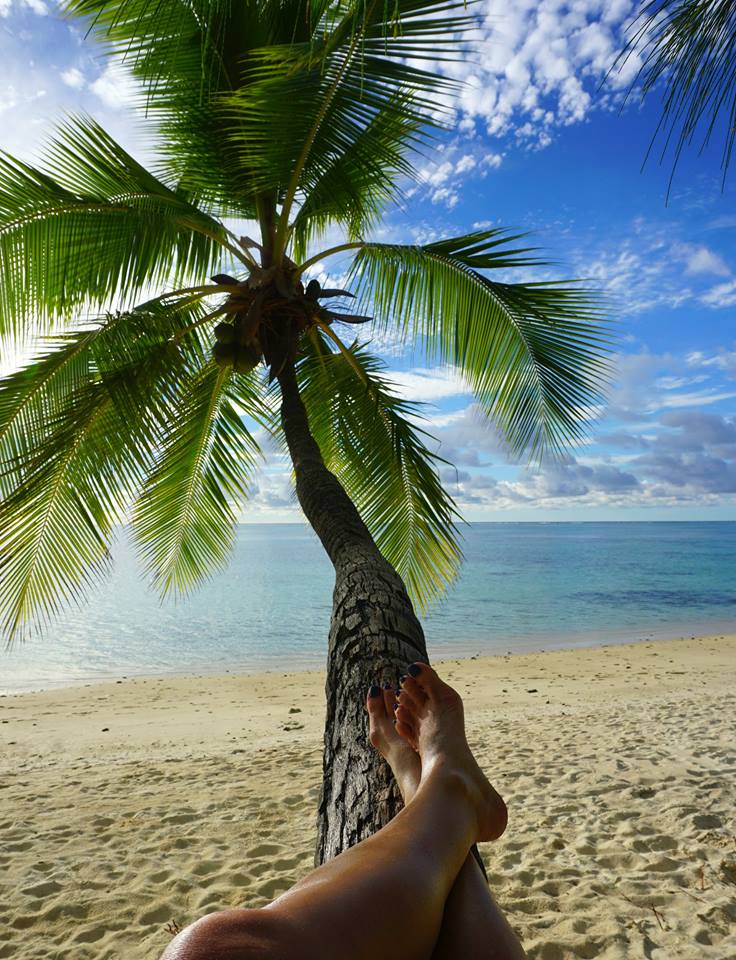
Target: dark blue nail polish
396,706
397,692
387,685
414,669
374,692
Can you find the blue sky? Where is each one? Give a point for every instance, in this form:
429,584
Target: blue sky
540,143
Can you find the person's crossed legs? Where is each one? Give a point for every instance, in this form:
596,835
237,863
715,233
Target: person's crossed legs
389,894
473,926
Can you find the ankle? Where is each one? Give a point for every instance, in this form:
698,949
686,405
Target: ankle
452,780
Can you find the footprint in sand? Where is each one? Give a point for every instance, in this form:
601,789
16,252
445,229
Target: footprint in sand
158,915
42,890
90,935
264,850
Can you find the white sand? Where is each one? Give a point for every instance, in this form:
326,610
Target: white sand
619,774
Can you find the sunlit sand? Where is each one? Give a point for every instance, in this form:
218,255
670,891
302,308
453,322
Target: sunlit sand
130,808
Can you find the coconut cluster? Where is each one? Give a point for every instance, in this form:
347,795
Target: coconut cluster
262,326
270,310
234,349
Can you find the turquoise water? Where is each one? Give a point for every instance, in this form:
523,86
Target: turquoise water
524,586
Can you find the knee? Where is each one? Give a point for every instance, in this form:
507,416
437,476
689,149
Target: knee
232,935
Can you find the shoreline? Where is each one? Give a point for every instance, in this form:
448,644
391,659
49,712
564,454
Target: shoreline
251,680
440,653
129,806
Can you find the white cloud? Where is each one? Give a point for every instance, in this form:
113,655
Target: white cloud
34,95
442,179
722,360
435,178
436,174
646,384
8,98
679,457
73,77
540,65
468,437
700,259
35,6
635,275
465,163
696,398
492,161
690,457
115,87
674,383
647,265
272,490
722,295
695,358
421,384
446,196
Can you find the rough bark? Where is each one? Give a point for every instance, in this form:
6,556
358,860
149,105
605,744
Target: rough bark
374,635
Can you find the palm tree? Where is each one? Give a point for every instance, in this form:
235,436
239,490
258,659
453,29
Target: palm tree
149,380
688,53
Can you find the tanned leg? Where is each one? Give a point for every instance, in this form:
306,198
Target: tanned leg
387,894
473,926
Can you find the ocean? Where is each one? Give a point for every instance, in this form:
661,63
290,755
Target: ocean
523,587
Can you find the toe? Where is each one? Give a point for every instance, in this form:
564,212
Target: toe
407,732
429,682
406,700
389,698
403,715
376,708
374,700
413,692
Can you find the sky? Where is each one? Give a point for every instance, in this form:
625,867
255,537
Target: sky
543,140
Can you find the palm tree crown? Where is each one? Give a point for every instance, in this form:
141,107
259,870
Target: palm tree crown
159,331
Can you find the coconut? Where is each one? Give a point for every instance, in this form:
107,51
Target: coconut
224,354
244,363
247,358
225,332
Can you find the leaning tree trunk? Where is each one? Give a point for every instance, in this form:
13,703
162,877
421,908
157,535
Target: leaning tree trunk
374,635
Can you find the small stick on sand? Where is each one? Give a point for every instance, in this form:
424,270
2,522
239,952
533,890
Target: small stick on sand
659,917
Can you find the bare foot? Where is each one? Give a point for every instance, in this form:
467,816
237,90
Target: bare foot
395,749
430,717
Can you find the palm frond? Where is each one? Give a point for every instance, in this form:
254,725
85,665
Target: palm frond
688,50
535,354
78,428
95,225
186,57
353,75
184,519
33,398
370,440
264,100
191,49
353,188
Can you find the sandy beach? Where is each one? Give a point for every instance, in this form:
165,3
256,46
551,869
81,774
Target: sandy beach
130,807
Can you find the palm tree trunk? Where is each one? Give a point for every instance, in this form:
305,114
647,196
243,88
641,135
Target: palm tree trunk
374,635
